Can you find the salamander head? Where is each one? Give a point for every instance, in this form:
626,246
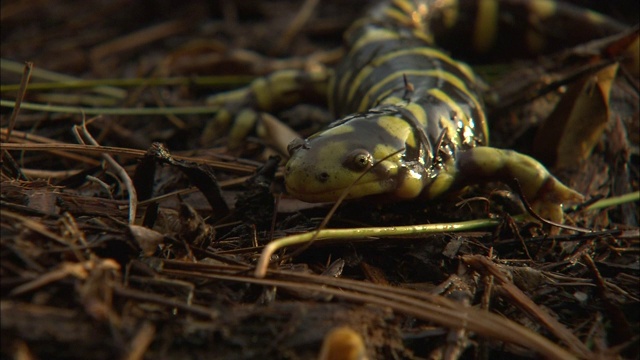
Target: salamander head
360,155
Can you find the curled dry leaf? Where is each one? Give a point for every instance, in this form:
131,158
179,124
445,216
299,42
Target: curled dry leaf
569,134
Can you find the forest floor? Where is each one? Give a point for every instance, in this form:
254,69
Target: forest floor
88,273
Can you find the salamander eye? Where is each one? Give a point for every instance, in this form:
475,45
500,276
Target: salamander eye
358,160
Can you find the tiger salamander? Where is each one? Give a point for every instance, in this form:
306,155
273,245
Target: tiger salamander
411,121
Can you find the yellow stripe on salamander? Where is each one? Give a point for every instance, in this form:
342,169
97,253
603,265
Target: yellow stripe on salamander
374,35
539,11
406,6
450,12
428,53
399,16
448,123
418,112
343,129
407,14
343,83
397,128
436,73
486,25
381,151
371,36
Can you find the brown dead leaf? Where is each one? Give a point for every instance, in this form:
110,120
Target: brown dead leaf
569,134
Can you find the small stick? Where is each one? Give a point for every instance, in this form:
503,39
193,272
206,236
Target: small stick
122,173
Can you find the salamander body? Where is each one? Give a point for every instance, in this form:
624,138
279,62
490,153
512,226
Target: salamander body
405,106
411,122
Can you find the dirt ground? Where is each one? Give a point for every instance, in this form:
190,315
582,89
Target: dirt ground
85,277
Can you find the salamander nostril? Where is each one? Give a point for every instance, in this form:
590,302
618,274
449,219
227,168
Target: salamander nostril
323,177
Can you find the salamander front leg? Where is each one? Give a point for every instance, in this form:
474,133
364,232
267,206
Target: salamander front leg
238,113
544,192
